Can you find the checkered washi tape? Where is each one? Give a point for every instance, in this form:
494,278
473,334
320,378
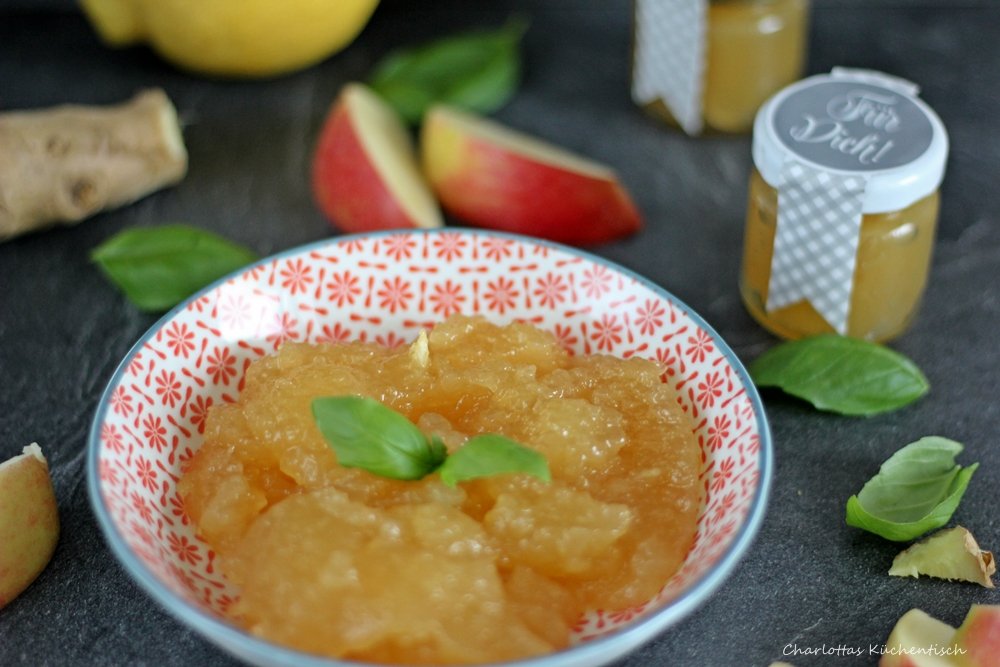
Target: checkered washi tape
670,57
816,241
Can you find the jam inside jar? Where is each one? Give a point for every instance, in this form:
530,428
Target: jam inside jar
755,48
752,49
893,261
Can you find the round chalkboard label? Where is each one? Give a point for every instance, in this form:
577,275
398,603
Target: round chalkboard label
852,126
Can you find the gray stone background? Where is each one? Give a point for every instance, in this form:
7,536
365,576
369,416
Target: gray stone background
808,580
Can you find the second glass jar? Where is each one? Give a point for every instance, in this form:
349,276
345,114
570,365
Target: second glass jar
754,49
750,49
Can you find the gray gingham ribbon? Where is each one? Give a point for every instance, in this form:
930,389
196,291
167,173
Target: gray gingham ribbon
669,61
816,241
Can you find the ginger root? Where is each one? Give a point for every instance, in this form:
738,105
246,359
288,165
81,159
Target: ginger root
61,165
947,554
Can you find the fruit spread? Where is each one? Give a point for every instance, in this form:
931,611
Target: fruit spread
755,48
894,255
340,562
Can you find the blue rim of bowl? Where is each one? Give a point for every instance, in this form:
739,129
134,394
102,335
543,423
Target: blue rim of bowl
630,637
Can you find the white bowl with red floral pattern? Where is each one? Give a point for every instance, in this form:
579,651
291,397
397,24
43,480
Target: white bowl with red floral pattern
385,287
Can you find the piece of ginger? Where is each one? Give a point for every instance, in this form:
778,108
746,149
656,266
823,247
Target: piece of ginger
420,352
947,554
63,164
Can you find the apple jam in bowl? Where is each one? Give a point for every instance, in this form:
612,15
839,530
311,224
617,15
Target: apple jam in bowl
348,563
220,494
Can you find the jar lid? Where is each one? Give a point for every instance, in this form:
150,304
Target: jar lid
855,122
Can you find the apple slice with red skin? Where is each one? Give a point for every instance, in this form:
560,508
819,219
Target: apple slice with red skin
978,638
365,175
489,175
29,521
916,641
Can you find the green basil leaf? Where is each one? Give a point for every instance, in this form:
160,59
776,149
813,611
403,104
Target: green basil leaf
158,267
492,86
915,491
491,454
841,374
366,434
438,450
476,71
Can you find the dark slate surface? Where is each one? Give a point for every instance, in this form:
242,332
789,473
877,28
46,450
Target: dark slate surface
808,582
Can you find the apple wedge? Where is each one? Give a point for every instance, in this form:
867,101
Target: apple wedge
365,175
918,640
29,521
491,176
978,638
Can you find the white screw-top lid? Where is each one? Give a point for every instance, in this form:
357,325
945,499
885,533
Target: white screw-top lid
855,122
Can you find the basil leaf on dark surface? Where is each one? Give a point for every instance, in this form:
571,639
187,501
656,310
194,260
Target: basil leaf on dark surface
491,454
477,71
915,491
840,374
366,434
158,267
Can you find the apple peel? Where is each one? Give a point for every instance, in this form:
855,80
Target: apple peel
951,554
919,640
29,521
978,638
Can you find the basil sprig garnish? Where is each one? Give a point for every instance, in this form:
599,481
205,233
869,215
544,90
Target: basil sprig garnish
158,267
840,374
915,491
366,434
477,71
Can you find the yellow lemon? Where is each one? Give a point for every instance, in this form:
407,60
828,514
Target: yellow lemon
233,37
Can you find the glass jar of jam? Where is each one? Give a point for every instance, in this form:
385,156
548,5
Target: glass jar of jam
708,65
843,206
